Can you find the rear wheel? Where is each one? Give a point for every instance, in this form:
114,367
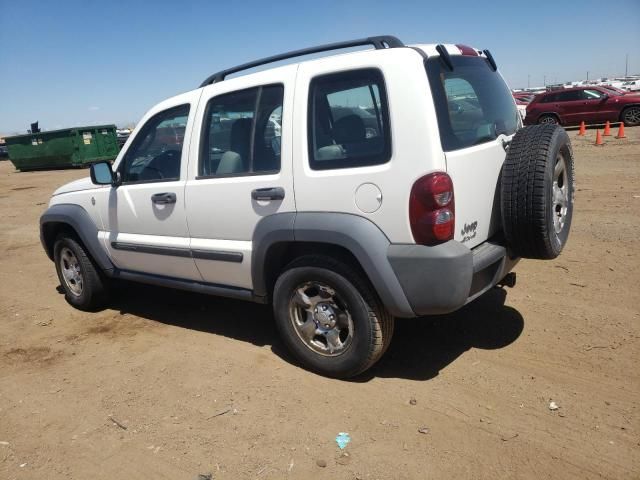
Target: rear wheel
330,318
537,192
548,119
631,116
83,285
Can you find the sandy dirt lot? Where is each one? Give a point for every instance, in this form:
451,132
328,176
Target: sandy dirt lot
203,385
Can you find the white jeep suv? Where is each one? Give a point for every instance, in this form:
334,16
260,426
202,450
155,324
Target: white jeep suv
346,190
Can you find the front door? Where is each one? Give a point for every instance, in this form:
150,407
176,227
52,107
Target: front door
243,171
146,227
600,107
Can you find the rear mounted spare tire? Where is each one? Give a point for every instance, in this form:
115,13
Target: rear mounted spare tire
537,191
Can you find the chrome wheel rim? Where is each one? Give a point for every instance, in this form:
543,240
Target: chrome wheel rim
71,273
560,194
320,319
548,119
632,115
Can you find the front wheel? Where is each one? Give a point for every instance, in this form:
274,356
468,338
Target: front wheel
330,318
83,285
631,116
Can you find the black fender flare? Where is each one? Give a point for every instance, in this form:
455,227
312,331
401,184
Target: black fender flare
79,220
360,236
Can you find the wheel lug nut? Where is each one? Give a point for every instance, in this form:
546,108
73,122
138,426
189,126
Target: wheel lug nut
332,317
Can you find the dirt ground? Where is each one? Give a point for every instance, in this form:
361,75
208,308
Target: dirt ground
202,385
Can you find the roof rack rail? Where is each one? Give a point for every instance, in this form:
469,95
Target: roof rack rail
379,43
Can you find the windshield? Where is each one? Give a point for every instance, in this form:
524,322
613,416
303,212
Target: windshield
473,103
613,91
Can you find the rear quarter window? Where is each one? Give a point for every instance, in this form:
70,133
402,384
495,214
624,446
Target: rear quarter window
473,103
348,121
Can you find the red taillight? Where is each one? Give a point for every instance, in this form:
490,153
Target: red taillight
432,209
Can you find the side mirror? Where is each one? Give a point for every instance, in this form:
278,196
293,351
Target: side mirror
101,174
605,97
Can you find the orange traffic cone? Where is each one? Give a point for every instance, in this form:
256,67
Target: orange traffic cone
621,131
599,138
607,129
583,129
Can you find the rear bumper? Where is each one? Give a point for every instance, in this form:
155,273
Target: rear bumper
443,278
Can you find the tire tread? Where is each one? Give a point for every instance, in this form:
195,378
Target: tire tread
524,190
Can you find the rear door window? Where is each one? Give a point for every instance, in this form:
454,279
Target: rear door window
242,132
571,96
473,103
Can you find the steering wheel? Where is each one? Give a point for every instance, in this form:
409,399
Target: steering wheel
163,160
152,169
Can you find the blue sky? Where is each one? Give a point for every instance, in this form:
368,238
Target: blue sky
68,63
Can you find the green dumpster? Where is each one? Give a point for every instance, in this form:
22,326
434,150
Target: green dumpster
70,147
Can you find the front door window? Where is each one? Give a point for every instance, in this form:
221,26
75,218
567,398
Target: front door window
155,153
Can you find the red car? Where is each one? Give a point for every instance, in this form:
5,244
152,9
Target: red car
617,90
592,104
523,98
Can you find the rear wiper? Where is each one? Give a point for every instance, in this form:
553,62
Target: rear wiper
490,59
444,55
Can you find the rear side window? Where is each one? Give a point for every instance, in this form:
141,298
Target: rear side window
348,124
473,103
242,132
571,96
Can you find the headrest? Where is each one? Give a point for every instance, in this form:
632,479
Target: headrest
349,129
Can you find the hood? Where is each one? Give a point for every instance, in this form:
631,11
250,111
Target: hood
76,186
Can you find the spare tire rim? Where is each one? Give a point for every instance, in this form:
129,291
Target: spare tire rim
560,194
71,272
320,319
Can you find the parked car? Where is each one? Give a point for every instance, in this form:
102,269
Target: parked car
615,90
524,97
4,152
592,104
632,85
123,136
522,100
342,228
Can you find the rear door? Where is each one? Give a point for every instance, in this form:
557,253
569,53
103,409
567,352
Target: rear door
572,108
241,171
477,117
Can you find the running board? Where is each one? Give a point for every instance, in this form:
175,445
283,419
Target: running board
190,286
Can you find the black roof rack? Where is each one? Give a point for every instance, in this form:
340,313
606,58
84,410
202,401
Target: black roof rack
382,42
